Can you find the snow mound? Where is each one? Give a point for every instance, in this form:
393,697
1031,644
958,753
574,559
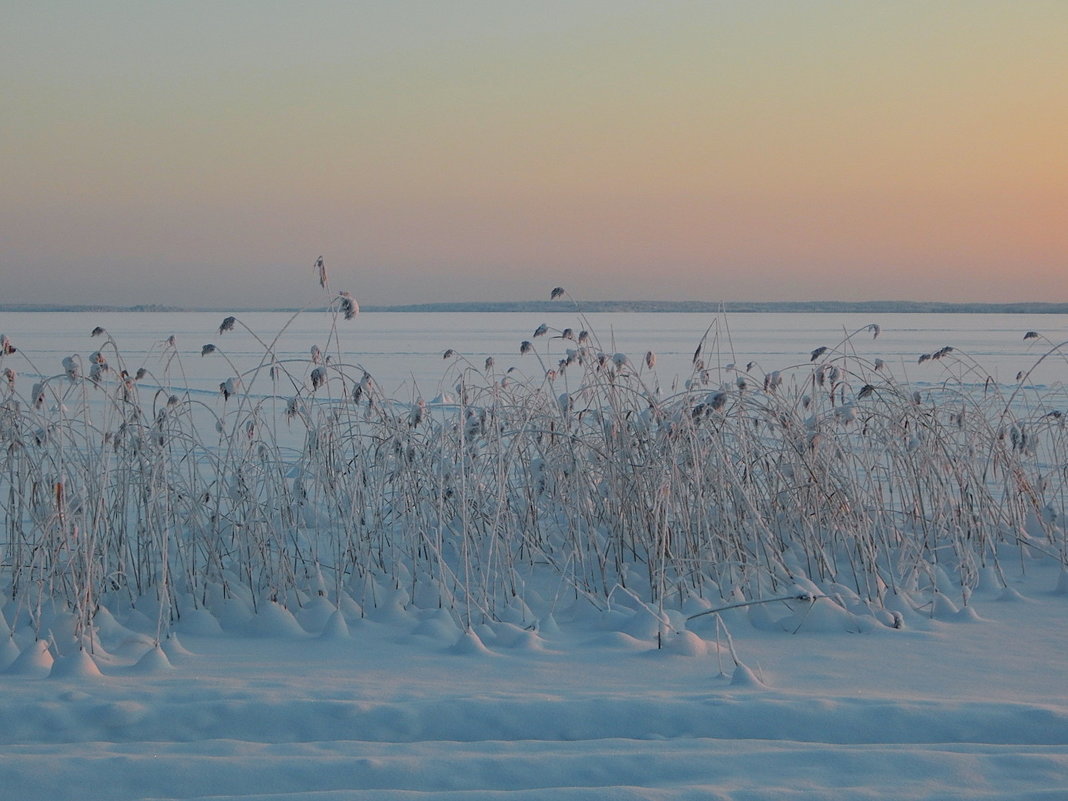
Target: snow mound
548,627
469,644
618,639
153,662
391,608
108,629
644,624
336,628
75,665
174,648
941,607
35,660
509,635
822,615
744,677
686,643
988,580
967,614
274,620
199,621
315,614
232,614
349,608
1010,594
438,626
9,652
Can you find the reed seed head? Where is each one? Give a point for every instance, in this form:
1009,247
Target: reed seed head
349,307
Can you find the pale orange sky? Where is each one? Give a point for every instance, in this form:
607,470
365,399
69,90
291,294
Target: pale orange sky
207,153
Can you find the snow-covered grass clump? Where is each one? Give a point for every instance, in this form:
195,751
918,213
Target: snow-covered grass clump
825,495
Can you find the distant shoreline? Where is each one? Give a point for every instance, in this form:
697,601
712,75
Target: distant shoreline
602,306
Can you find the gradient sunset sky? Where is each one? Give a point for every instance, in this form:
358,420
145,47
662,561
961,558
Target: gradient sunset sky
207,152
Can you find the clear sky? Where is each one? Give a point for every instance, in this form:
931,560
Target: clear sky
208,152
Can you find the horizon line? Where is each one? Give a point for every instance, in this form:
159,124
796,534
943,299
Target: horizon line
591,306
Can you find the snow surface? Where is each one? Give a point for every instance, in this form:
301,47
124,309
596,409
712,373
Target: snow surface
403,705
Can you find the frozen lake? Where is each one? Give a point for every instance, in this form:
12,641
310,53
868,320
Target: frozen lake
403,351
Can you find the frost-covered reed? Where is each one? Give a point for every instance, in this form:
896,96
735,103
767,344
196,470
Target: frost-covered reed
571,475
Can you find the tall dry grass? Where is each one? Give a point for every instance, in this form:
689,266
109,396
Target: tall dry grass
572,476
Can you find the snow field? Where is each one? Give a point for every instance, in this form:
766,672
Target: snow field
938,709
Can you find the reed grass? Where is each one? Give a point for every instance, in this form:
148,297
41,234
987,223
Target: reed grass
573,476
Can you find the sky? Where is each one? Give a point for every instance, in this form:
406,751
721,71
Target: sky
206,153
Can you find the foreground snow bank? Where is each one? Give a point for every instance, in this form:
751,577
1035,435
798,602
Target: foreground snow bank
940,709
